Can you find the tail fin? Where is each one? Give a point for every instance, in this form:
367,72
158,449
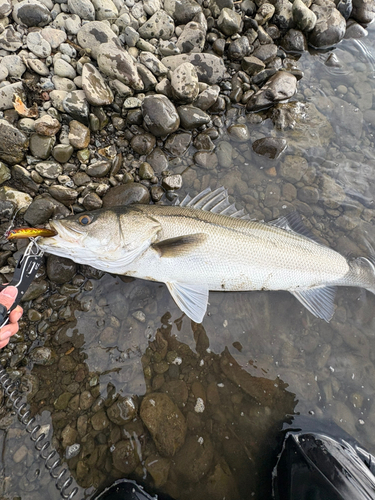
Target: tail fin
364,271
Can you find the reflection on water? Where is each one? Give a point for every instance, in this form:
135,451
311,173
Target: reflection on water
257,357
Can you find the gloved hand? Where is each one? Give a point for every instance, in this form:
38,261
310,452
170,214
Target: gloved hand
7,297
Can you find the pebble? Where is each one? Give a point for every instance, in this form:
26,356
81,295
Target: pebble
79,135
160,25
118,64
31,13
184,82
160,115
38,45
96,90
126,194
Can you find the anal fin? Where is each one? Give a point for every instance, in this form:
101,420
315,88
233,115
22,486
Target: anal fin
319,301
191,299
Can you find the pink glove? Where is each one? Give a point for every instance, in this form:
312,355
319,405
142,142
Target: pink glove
7,297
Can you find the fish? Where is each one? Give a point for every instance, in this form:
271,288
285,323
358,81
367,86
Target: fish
29,232
205,244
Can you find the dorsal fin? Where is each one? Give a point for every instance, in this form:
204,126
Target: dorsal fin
216,201
293,222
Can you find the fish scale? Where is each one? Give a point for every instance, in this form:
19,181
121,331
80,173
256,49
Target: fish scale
193,250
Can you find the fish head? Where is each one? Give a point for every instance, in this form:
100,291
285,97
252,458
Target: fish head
87,238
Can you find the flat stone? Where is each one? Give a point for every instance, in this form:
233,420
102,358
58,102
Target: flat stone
7,93
117,63
192,117
96,89
153,64
63,194
126,194
4,173
10,39
83,8
282,85
105,9
79,135
41,146
38,45
31,13
160,25
270,147
38,66
93,34
49,169
99,169
210,68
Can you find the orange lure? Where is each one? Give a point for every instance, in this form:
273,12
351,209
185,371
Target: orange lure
29,232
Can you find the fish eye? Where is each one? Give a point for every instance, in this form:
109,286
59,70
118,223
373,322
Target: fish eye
84,220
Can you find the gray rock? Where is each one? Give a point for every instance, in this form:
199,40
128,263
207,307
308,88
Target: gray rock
14,65
182,11
160,115
210,68
329,28
126,194
4,173
23,176
194,460
229,22
177,144
293,168
76,105
63,194
143,144
105,9
5,8
10,39
49,169
345,7
172,182
38,66
354,30
79,135
224,153
160,25
184,82
347,117
13,143
38,45
153,64
64,69
93,84
7,93
363,11
304,18
99,169
192,38
83,8
282,85
62,152
294,41
60,270
207,98
53,36
192,117
131,36
264,13
265,52
93,34
206,159
158,160
39,211
122,411
239,48
239,133
117,63
31,13
283,17
252,65
47,125
92,201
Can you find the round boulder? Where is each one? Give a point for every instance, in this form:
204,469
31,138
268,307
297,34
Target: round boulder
160,115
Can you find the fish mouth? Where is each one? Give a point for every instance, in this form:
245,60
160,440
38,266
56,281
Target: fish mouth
65,236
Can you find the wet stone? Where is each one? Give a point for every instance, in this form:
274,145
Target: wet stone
126,194
67,364
265,53
363,11
239,133
35,290
172,182
294,41
224,153
99,421
13,143
65,195
160,115
44,356
329,28
92,201
99,169
206,159
194,459
76,105
229,22
192,117
47,125
165,423
304,17
125,457
60,270
31,13
62,152
49,169
4,173
177,144
184,82
210,68
308,194
272,195
282,85
270,147
143,144
158,160
122,411
293,168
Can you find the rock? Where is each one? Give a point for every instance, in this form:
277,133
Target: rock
266,53
229,22
126,194
143,144
160,115
92,201
4,173
49,169
329,28
347,116
117,63
363,11
99,168
43,356
62,152
192,117
177,144
172,182
333,195
239,133
270,147
165,423
224,153
293,168
192,39
31,13
10,39
158,468
122,411
125,457
39,211
13,143
206,159
252,65
79,135
308,194
239,48
82,8
94,86
153,64
59,269
264,13
195,458
105,9
93,35
47,125
53,36
99,421
304,18
38,45
75,104
18,198
41,146
207,98
294,41
65,195
283,17
160,25
184,82
282,85
182,11
210,68
7,94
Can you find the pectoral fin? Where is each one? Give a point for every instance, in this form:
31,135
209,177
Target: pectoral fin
191,299
319,301
182,245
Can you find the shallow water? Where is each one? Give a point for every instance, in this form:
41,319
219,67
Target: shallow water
258,357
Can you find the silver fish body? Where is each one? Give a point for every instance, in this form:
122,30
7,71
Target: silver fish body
193,251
